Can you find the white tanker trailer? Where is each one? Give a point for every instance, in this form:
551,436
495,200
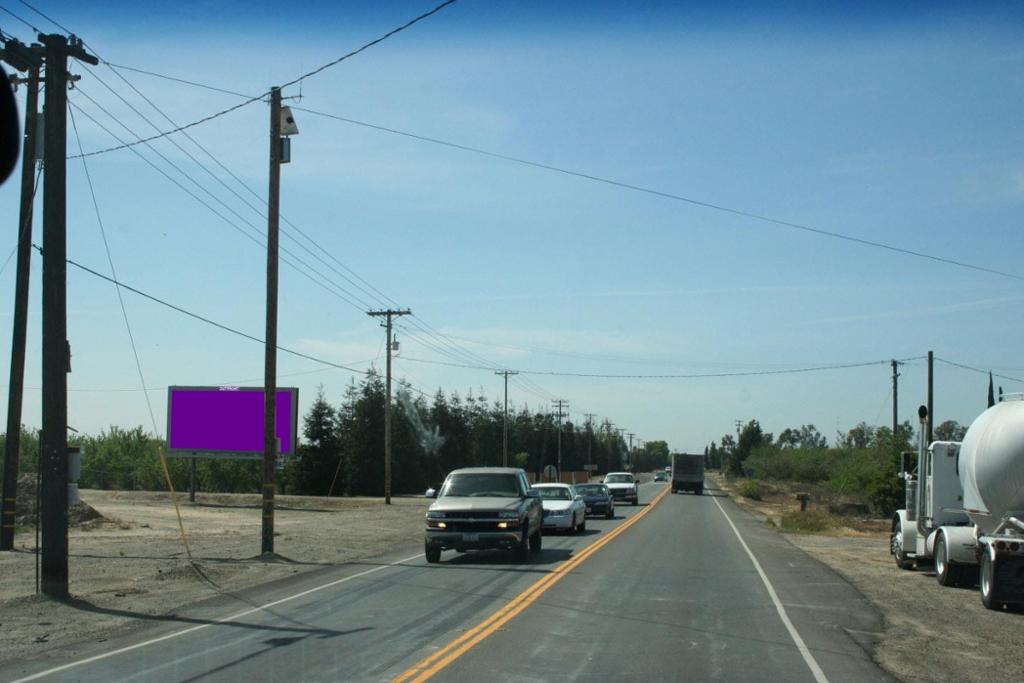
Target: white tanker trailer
965,507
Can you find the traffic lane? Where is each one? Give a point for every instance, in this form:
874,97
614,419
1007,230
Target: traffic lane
839,625
355,630
675,597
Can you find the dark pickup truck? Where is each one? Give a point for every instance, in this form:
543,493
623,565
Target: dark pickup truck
484,507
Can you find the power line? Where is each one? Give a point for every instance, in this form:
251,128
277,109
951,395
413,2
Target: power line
743,373
665,195
175,79
28,222
206,320
49,19
21,19
339,292
384,37
113,272
263,95
974,369
355,299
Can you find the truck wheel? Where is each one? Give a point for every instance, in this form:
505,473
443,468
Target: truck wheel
583,525
520,551
536,542
610,514
896,547
945,573
700,490
433,553
988,582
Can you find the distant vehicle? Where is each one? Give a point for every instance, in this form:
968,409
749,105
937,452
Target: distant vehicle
564,509
598,499
963,507
623,486
668,470
660,476
484,507
688,473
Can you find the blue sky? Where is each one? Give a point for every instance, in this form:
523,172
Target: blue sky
893,125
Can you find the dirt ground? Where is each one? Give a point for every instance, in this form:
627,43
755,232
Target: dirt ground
931,633
132,560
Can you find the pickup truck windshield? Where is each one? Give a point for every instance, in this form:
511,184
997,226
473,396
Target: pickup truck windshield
481,485
619,479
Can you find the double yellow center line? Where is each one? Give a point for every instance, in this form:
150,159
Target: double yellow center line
431,665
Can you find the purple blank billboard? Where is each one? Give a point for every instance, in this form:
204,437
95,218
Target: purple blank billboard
227,421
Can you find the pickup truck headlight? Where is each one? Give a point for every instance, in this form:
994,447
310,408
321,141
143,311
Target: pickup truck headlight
508,514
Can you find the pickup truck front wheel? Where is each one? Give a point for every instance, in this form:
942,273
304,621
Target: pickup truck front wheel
522,547
536,542
433,553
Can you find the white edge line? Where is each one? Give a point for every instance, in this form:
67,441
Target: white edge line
809,659
224,620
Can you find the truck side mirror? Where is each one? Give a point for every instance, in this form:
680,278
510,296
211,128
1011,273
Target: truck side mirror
532,493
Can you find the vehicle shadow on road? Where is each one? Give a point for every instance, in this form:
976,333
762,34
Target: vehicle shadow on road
484,558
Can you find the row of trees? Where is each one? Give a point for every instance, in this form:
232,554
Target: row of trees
342,450
864,460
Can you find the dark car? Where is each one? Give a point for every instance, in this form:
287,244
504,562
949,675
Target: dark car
598,499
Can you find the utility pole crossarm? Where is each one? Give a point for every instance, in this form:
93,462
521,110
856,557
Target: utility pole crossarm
388,314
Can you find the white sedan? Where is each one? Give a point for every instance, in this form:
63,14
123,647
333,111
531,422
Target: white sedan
564,509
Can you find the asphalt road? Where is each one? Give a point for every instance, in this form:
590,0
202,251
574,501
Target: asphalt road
673,596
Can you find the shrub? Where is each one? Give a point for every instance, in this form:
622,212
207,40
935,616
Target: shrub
751,489
810,522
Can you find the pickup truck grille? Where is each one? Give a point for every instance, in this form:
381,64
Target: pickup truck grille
471,514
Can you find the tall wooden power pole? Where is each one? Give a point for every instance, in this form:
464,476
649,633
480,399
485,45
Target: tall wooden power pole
56,360
895,396
931,408
560,405
504,428
388,315
12,444
270,351
590,436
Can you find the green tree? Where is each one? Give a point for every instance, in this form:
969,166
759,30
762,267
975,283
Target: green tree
950,430
320,457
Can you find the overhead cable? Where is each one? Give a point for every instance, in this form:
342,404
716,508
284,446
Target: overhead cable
261,96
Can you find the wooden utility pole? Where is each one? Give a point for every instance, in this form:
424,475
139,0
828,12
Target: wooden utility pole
56,360
590,436
270,355
12,444
560,405
931,408
388,315
504,428
895,395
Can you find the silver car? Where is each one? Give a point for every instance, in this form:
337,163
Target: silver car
564,509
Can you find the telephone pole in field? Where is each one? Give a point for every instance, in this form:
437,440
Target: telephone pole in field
282,125
895,395
560,405
590,435
388,315
504,429
22,58
56,356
